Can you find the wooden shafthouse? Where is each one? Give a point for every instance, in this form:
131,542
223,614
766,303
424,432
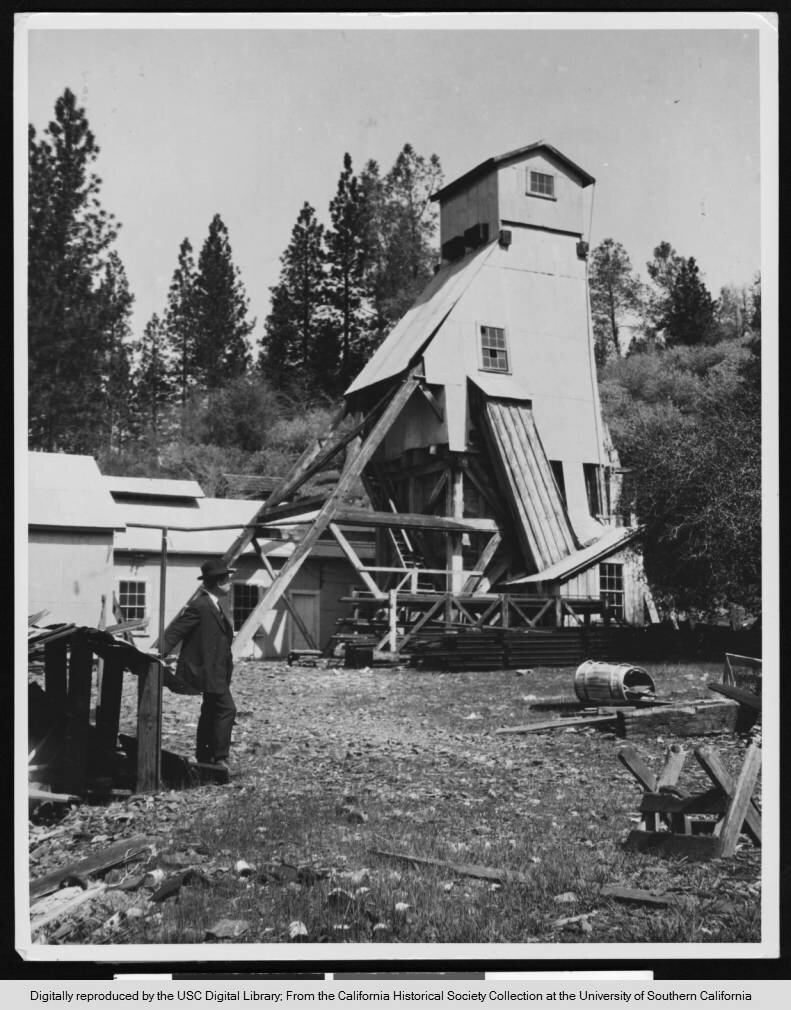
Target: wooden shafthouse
476,430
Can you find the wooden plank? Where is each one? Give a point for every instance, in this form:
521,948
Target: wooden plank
108,715
482,563
327,513
740,694
149,729
713,766
586,720
355,562
741,800
490,873
352,516
427,615
113,855
78,714
666,843
713,801
637,896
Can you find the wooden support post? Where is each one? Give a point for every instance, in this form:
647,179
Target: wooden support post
455,509
149,728
100,661
108,715
163,575
393,616
558,612
740,802
326,513
355,562
55,679
476,582
78,714
506,613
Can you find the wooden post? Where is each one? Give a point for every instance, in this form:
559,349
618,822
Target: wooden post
55,680
393,615
149,728
558,612
163,574
100,661
108,715
713,766
78,714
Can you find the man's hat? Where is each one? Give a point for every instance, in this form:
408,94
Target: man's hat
213,569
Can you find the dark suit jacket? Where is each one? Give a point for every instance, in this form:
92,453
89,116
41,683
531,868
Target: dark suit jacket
205,660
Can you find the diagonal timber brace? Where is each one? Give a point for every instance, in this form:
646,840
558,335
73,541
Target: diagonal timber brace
326,514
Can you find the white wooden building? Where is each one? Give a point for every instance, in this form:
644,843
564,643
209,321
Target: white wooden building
94,536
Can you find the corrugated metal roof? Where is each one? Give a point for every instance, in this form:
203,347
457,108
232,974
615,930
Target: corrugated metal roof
154,487
491,163
421,321
68,492
614,538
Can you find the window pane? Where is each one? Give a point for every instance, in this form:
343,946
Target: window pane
245,599
132,599
494,354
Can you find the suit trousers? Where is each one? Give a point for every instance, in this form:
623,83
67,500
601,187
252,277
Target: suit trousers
215,724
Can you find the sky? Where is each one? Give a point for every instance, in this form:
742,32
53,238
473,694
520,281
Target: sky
250,122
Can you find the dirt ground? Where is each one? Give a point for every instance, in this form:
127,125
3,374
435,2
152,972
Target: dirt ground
330,765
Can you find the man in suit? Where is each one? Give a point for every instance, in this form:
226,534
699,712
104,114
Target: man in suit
205,661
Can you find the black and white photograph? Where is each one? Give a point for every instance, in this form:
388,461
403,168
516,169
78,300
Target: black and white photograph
395,482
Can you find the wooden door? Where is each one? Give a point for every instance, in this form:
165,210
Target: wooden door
306,604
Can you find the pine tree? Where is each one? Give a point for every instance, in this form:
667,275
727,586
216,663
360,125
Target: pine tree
181,325
115,300
410,224
614,292
77,310
221,311
345,292
296,338
681,308
153,384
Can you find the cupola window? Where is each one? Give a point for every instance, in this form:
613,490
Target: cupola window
540,184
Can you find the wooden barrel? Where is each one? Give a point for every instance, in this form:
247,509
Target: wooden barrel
608,683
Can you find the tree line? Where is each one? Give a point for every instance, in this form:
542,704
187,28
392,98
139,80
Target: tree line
195,395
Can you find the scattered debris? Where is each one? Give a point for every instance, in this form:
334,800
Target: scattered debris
171,886
228,929
638,896
61,903
297,929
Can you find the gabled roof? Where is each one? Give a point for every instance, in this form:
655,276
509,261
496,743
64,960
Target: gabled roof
487,166
422,320
612,540
153,487
68,492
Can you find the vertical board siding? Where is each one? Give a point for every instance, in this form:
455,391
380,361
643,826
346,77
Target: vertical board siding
542,523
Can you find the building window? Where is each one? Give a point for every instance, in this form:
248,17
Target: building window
611,587
541,184
245,599
494,351
592,476
132,600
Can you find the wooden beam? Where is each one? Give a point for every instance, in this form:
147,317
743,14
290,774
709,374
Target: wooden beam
327,513
712,765
584,720
483,562
422,620
635,765
355,562
292,610
432,402
675,757
114,855
351,516
436,491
